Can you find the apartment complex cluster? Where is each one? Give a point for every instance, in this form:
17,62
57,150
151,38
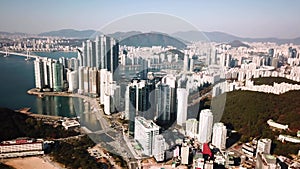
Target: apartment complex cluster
241,64
155,86
40,44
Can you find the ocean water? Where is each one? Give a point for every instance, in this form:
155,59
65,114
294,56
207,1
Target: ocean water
17,77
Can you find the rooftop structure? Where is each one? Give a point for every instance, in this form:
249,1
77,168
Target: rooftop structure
21,147
70,123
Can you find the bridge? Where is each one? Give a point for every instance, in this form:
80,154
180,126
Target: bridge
28,55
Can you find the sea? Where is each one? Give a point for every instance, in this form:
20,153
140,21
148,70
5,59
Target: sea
17,77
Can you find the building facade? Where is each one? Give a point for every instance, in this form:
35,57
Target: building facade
145,132
205,126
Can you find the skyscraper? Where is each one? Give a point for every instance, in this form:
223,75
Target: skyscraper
98,52
182,100
93,82
205,126
138,101
39,73
170,80
72,77
185,62
90,54
58,82
103,53
83,55
219,135
80,80
163,99
104,48
145,132
105,89
86,80
113,56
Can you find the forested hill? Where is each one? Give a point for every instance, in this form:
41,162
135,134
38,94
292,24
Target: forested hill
14,125
248,111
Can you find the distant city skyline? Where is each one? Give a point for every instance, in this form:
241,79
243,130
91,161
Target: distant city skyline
255,19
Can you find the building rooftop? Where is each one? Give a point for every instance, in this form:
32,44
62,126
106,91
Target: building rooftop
146,123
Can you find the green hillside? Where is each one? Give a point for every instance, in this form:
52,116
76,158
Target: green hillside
14,125
247,112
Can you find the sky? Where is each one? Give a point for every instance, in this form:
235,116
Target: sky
245,18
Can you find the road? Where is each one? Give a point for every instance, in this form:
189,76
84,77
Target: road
196,101
121,143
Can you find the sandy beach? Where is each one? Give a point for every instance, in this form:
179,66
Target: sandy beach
32,163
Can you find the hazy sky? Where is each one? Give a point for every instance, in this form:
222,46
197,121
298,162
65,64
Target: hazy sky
246,18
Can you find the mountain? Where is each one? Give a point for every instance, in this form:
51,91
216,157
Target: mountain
237,43
186,37
2,33
221,37
70,33
205,36
152,39
123,35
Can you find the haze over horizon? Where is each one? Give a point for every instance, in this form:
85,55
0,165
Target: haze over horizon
254,19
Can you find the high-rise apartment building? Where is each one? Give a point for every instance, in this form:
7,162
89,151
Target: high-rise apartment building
191,128
103,53
72,78
182,101
205,126
163,101
49,74
219,135
58,81
80,80
39,73
138,101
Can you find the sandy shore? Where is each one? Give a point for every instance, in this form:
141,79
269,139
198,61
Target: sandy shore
32,163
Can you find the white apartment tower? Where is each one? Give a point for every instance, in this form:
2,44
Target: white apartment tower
182,100
39,73
219,135
191,128
205,126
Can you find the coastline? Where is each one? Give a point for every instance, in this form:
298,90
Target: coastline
94,104
28,113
